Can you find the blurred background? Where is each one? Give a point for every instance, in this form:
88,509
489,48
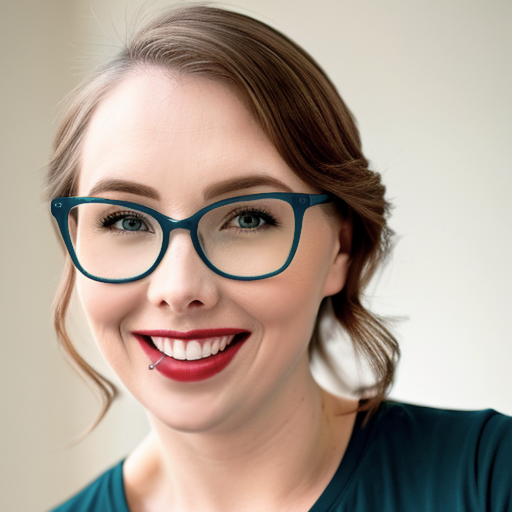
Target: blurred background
429,83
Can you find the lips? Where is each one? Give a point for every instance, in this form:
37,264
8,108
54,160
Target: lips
193,355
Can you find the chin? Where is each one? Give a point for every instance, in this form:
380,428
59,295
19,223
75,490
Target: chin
194,416
200,424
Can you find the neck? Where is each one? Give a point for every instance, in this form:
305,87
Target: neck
288,451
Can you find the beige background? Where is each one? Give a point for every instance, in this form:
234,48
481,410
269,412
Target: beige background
429,82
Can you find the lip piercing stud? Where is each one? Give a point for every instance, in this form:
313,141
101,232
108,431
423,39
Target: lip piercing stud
152,365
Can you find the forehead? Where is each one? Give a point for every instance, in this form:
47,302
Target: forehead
177,135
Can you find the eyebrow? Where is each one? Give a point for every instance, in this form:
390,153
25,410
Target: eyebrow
214,190
233,184
129,187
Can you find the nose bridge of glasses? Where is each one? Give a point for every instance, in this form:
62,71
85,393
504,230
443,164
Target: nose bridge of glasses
175,227
172,224
179,248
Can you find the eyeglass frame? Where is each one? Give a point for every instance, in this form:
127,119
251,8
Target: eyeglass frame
299,202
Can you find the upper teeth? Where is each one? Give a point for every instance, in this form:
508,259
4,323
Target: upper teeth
192,349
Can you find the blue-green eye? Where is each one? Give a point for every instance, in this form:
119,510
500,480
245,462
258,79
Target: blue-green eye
123,222
249,221
130,224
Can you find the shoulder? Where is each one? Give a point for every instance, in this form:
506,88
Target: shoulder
488,426
468,453
106,493
443,432
417,415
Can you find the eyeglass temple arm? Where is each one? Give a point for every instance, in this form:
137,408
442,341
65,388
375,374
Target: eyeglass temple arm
321,199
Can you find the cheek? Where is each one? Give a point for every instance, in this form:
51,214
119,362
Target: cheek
280,301
105,307
286,306
289,303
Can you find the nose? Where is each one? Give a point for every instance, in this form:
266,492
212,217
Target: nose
182,282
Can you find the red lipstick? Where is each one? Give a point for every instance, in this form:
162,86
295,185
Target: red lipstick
195,370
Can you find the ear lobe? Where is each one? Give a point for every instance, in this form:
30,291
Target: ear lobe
338,272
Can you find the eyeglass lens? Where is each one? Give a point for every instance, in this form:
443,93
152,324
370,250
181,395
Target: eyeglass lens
244,239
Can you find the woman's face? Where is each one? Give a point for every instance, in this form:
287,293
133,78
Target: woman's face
180,137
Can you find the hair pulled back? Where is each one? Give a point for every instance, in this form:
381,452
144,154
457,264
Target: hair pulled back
302,114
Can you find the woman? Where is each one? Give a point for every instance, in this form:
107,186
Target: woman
211,191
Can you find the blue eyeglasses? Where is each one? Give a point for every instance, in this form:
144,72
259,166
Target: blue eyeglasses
245,238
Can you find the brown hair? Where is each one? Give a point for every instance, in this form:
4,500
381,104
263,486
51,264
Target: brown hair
303,115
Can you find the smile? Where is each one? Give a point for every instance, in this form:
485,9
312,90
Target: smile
193,355
193,349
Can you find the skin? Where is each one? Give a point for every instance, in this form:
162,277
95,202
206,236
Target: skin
260,435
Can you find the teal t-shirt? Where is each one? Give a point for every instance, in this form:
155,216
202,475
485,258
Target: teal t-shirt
406,459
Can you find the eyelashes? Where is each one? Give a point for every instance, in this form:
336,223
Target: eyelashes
251,212
130,221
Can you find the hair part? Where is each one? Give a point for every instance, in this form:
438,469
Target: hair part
300,111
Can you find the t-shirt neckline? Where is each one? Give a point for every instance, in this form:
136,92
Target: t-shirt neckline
351,458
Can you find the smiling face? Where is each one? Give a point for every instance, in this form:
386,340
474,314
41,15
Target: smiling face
178,139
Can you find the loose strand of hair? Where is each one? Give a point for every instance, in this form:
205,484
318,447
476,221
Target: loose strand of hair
104,389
